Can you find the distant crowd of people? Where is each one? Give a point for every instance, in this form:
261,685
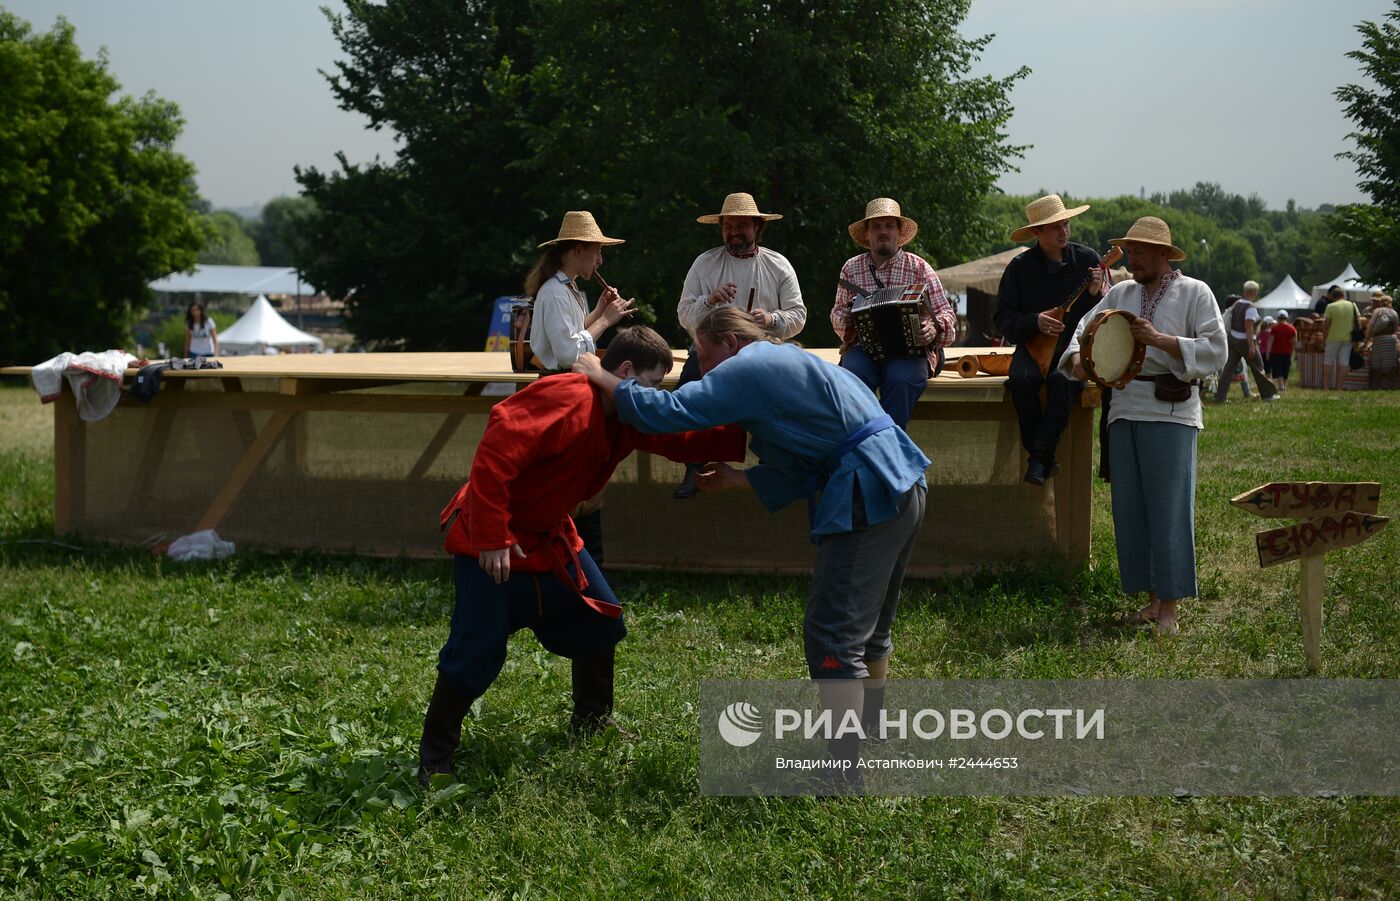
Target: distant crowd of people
1265,345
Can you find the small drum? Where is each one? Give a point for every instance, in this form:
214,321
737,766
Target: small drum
1111,356
887,322
522,314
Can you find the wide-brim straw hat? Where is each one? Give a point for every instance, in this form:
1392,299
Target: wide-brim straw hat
1044,211
1151,230
738,205
880,208
578,225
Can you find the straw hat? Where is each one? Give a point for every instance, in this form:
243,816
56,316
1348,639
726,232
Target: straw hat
879,208
1151,230
738,205
1044,211
578,225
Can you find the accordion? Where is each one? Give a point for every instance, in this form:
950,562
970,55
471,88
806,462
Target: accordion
887,321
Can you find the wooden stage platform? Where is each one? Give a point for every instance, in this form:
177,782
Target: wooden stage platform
358,452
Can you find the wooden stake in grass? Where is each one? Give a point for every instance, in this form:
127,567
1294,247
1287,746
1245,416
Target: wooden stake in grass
1338,514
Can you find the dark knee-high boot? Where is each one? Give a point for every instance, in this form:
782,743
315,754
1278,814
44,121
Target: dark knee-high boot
593,694
442,729
687,488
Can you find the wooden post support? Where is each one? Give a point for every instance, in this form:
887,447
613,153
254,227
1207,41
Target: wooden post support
1310,598
252,458
70,463
1335,515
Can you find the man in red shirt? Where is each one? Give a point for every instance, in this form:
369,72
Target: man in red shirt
518,560
1280,361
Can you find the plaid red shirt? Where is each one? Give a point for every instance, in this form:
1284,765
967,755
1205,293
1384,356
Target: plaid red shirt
902,269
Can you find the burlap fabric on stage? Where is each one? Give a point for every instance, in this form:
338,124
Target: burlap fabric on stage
372,475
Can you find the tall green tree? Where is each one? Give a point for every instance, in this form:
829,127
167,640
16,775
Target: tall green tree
94,201
1373,229
510,114
229,243
275,232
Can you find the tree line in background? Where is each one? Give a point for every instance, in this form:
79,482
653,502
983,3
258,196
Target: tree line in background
95,203
268,240
509,114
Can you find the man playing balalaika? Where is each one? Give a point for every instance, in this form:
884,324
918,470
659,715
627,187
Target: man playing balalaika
901,378
1034,284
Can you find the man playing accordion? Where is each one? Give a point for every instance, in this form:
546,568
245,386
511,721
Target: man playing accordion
902,376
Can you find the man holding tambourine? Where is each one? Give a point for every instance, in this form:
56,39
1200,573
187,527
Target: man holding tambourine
1169,337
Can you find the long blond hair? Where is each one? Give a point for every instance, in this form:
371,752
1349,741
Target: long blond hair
730,320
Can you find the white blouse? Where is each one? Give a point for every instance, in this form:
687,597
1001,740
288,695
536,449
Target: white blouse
1189,311
557,334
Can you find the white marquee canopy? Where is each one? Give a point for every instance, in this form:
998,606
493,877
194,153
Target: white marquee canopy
1287,296
235,280
1350,281
263,327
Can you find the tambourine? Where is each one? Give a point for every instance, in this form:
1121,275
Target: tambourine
1109,353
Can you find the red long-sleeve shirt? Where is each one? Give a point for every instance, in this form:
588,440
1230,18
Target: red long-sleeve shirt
546,449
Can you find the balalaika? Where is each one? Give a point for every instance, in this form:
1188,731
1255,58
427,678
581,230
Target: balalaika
887,321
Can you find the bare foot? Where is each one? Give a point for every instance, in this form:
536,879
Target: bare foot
1148,614
1166,620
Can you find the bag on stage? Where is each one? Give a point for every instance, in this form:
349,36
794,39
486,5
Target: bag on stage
1358,360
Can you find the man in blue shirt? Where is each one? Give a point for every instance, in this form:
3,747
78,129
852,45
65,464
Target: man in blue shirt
820,434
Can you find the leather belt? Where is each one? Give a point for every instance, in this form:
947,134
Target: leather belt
1195,383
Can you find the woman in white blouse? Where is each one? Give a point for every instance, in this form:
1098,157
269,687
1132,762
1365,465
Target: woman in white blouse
201,335
563,327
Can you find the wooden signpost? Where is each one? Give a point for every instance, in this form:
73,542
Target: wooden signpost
1335,515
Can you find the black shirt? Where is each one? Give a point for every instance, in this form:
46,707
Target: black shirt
1032,284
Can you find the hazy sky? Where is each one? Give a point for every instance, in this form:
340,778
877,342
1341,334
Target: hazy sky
1121,96
1238,92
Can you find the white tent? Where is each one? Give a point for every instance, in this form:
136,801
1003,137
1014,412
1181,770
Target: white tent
261,328
1287,296
1350,282
235,280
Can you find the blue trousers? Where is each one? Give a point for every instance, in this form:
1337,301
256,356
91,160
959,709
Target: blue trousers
899,382
1154,506
486,614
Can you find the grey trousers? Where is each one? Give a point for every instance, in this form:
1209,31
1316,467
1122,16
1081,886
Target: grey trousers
1239,350
1154,506
855,592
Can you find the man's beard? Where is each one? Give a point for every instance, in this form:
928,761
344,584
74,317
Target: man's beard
739,244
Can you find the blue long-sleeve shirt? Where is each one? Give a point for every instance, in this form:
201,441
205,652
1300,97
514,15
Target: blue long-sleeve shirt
796,409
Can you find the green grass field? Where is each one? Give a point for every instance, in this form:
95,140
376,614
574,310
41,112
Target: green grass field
249,728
